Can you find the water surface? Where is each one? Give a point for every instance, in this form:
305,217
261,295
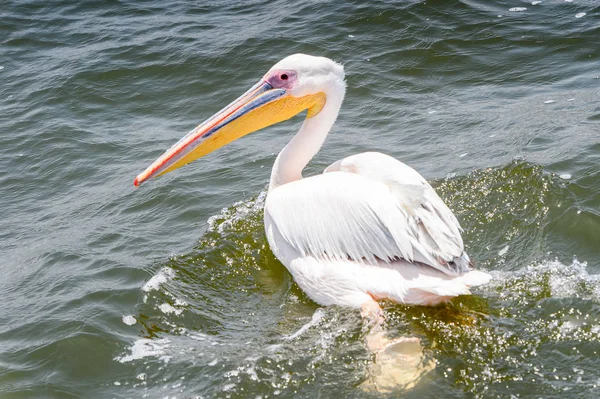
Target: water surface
170,290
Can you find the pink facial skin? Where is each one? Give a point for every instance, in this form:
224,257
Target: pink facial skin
282,78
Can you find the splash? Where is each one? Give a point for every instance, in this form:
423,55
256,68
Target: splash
551,279
529,317
229,310
161,277
315,320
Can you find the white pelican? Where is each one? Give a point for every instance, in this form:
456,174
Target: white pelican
368,228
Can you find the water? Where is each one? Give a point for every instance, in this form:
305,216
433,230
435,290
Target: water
171,291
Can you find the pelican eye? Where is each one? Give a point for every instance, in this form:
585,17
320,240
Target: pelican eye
283,78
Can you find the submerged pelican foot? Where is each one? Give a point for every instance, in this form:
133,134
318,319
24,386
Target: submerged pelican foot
400,363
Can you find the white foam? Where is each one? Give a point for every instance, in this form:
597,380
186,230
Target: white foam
129,320
517,9
228,387
146,347
168,309
241,211
565,176
580,15
535,3
161,277
548,101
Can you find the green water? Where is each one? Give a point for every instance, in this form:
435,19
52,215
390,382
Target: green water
170,290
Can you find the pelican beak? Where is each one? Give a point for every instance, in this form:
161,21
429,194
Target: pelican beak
261,106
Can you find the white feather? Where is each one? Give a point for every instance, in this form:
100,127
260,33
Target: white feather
368,208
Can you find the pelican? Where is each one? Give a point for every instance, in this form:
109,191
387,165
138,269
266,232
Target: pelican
369,228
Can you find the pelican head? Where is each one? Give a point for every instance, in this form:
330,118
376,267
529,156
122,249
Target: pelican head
296,83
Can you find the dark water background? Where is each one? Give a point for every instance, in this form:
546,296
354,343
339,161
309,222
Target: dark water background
170,290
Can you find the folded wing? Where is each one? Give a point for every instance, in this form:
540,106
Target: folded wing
368,207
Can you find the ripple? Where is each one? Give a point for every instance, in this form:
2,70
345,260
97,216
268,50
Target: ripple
94,270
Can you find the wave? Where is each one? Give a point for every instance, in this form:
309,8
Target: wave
230,312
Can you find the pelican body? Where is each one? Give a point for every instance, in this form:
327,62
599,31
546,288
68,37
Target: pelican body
368,228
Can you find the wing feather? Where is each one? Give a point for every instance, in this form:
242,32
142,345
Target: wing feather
368,207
